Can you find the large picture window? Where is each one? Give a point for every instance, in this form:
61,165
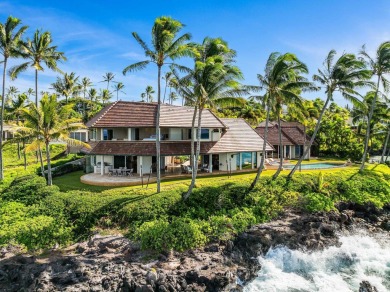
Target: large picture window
108,134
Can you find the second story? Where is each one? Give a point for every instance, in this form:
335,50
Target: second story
136,121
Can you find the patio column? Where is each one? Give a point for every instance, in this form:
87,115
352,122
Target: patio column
125,162
240,161
210,163
253,159
102,166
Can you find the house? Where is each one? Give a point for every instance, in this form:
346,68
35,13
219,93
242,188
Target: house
293,138
122,135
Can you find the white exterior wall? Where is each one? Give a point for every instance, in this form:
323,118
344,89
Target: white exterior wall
215,136
226,156
146,162
174,134
107,159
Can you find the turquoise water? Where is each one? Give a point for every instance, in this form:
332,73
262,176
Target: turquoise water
315,166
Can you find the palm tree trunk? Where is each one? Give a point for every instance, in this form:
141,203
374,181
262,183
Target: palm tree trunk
24,155
158,154
368,132
280,149
304,144
306,151
385,146
18,143
387,156
260,170
41,161
2,120
165,90
194,156
49,177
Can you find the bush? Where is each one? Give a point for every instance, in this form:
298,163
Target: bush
28,190
19,225
180,234
66,168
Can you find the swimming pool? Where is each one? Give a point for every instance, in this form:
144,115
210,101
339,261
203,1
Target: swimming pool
321,165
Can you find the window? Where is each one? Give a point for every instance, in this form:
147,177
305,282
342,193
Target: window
108,134
205,134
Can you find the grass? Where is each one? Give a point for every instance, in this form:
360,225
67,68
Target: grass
71,181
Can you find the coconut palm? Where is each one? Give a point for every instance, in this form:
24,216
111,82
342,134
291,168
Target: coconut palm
172,97
167,77
148,93
30,92
15,111
10,47
306,114
84,85
12,91
108,77
344,75
67,86
118,88
105,95
213,81
50,121
166,46
39,50
379,66
282,83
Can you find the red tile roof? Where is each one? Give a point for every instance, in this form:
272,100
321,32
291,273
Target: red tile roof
140,114
292,133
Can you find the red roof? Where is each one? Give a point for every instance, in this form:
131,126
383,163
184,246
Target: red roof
292,133
124,114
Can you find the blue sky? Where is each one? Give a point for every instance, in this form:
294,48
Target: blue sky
96,35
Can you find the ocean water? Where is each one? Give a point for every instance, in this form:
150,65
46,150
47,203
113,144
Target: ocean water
360,257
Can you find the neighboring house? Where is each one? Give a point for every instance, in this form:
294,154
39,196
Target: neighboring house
7,132
293,138
123,135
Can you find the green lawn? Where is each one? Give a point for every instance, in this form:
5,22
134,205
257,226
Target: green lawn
71,181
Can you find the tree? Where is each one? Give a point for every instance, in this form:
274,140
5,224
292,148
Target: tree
212,81
379,66
10,47
172,97
282,83
39,50
84,85
343,75
167,77
118,88
15,111
148,93
143,95
30,92
108,77
105,95
50,121
67,86
166,46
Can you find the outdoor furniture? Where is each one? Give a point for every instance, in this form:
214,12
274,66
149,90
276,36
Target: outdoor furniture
205,168
130,172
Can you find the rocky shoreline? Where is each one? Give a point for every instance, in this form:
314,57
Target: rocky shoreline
113,263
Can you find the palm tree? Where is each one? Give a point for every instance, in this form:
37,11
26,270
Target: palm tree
12,91
282,83
30,92
38,50
118,88
306,114
343,75
167,77
148,93
15,111
172,97
67,86
105,95
166,45
50,121
108,77
10,44
92,94
378,66
84,85
214,80
143,95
